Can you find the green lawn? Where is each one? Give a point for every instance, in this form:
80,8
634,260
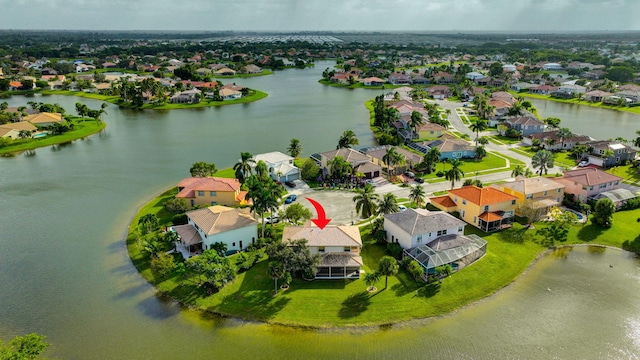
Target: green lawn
264,72
560,158
627,172
81,130
347,303
498,139
358,85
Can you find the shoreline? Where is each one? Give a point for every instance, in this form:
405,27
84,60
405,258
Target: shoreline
5,152
130,243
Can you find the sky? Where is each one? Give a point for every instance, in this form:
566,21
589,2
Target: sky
323,15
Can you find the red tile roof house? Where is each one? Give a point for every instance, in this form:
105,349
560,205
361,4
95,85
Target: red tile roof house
200,191
588,182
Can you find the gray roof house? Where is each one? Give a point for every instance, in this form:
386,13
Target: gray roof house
433,238
526,125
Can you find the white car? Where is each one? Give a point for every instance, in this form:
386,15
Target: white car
583,163
402,208
272,219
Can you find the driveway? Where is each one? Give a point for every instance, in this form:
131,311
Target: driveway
338,205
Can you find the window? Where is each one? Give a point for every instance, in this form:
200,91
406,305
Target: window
233,244
347,249
486,208
212,193
419,239
464,202
321,249
474,219
460,228
530,196
545,194
463,213
455,199
200,193
590,188
615,182
559,190
513,202
602,186
214,203
442,232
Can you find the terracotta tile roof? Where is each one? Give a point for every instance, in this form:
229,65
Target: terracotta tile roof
481,196
444,201
329,236
192,184
589,176
489,216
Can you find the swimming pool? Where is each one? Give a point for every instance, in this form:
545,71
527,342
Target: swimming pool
578,215
39,135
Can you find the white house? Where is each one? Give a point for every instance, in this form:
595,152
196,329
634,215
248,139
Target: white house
474,75
235,228
572,89
551,66
281,167
415,227
433,239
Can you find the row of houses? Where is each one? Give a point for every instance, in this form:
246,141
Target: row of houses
32,124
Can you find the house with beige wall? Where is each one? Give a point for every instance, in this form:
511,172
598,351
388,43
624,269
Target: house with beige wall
338,246
199,191
588,182
538,193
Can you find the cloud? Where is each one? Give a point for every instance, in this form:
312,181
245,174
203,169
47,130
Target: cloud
336,15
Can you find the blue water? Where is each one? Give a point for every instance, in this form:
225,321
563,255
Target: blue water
579,215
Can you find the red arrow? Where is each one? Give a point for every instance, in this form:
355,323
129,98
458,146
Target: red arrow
322,220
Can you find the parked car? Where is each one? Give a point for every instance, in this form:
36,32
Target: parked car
402,208
370,182
419,180
290,184
272,219
291,198
409,174
583,163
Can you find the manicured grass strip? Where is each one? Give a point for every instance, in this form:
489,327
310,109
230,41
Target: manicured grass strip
264,72
635,110
81,130
358,85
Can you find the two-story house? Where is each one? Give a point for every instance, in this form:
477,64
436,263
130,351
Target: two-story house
338,246
607,153
433,238
588,182
377,153
449,147
359,162
488,209
526,125
280,166
235,228
200,191
537,193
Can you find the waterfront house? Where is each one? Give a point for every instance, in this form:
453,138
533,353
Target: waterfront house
596,95
372,81
537,193
488,209
44,119
543,89
186,97
200,191
551,141
225,72
376,153
229,94
338,246
279,165
16,130
588,182
235,228
398,79
359,162
433,238
607,153
526,125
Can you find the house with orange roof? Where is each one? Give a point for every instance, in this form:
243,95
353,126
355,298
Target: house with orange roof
338,246
235,228
488,209
199,191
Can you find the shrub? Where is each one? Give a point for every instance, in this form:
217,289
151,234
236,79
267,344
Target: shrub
395,250
440,173
179,219
177,205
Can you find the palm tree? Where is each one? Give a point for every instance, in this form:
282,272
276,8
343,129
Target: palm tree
295,148
578,150
365,200
276,271
387,266
388,204
430,159
518,170
347,139
543,160
454,174
416,121
243,166
339,168
261,170
477,126
371,278
636,141
563,134
416,195
148,222
392,158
